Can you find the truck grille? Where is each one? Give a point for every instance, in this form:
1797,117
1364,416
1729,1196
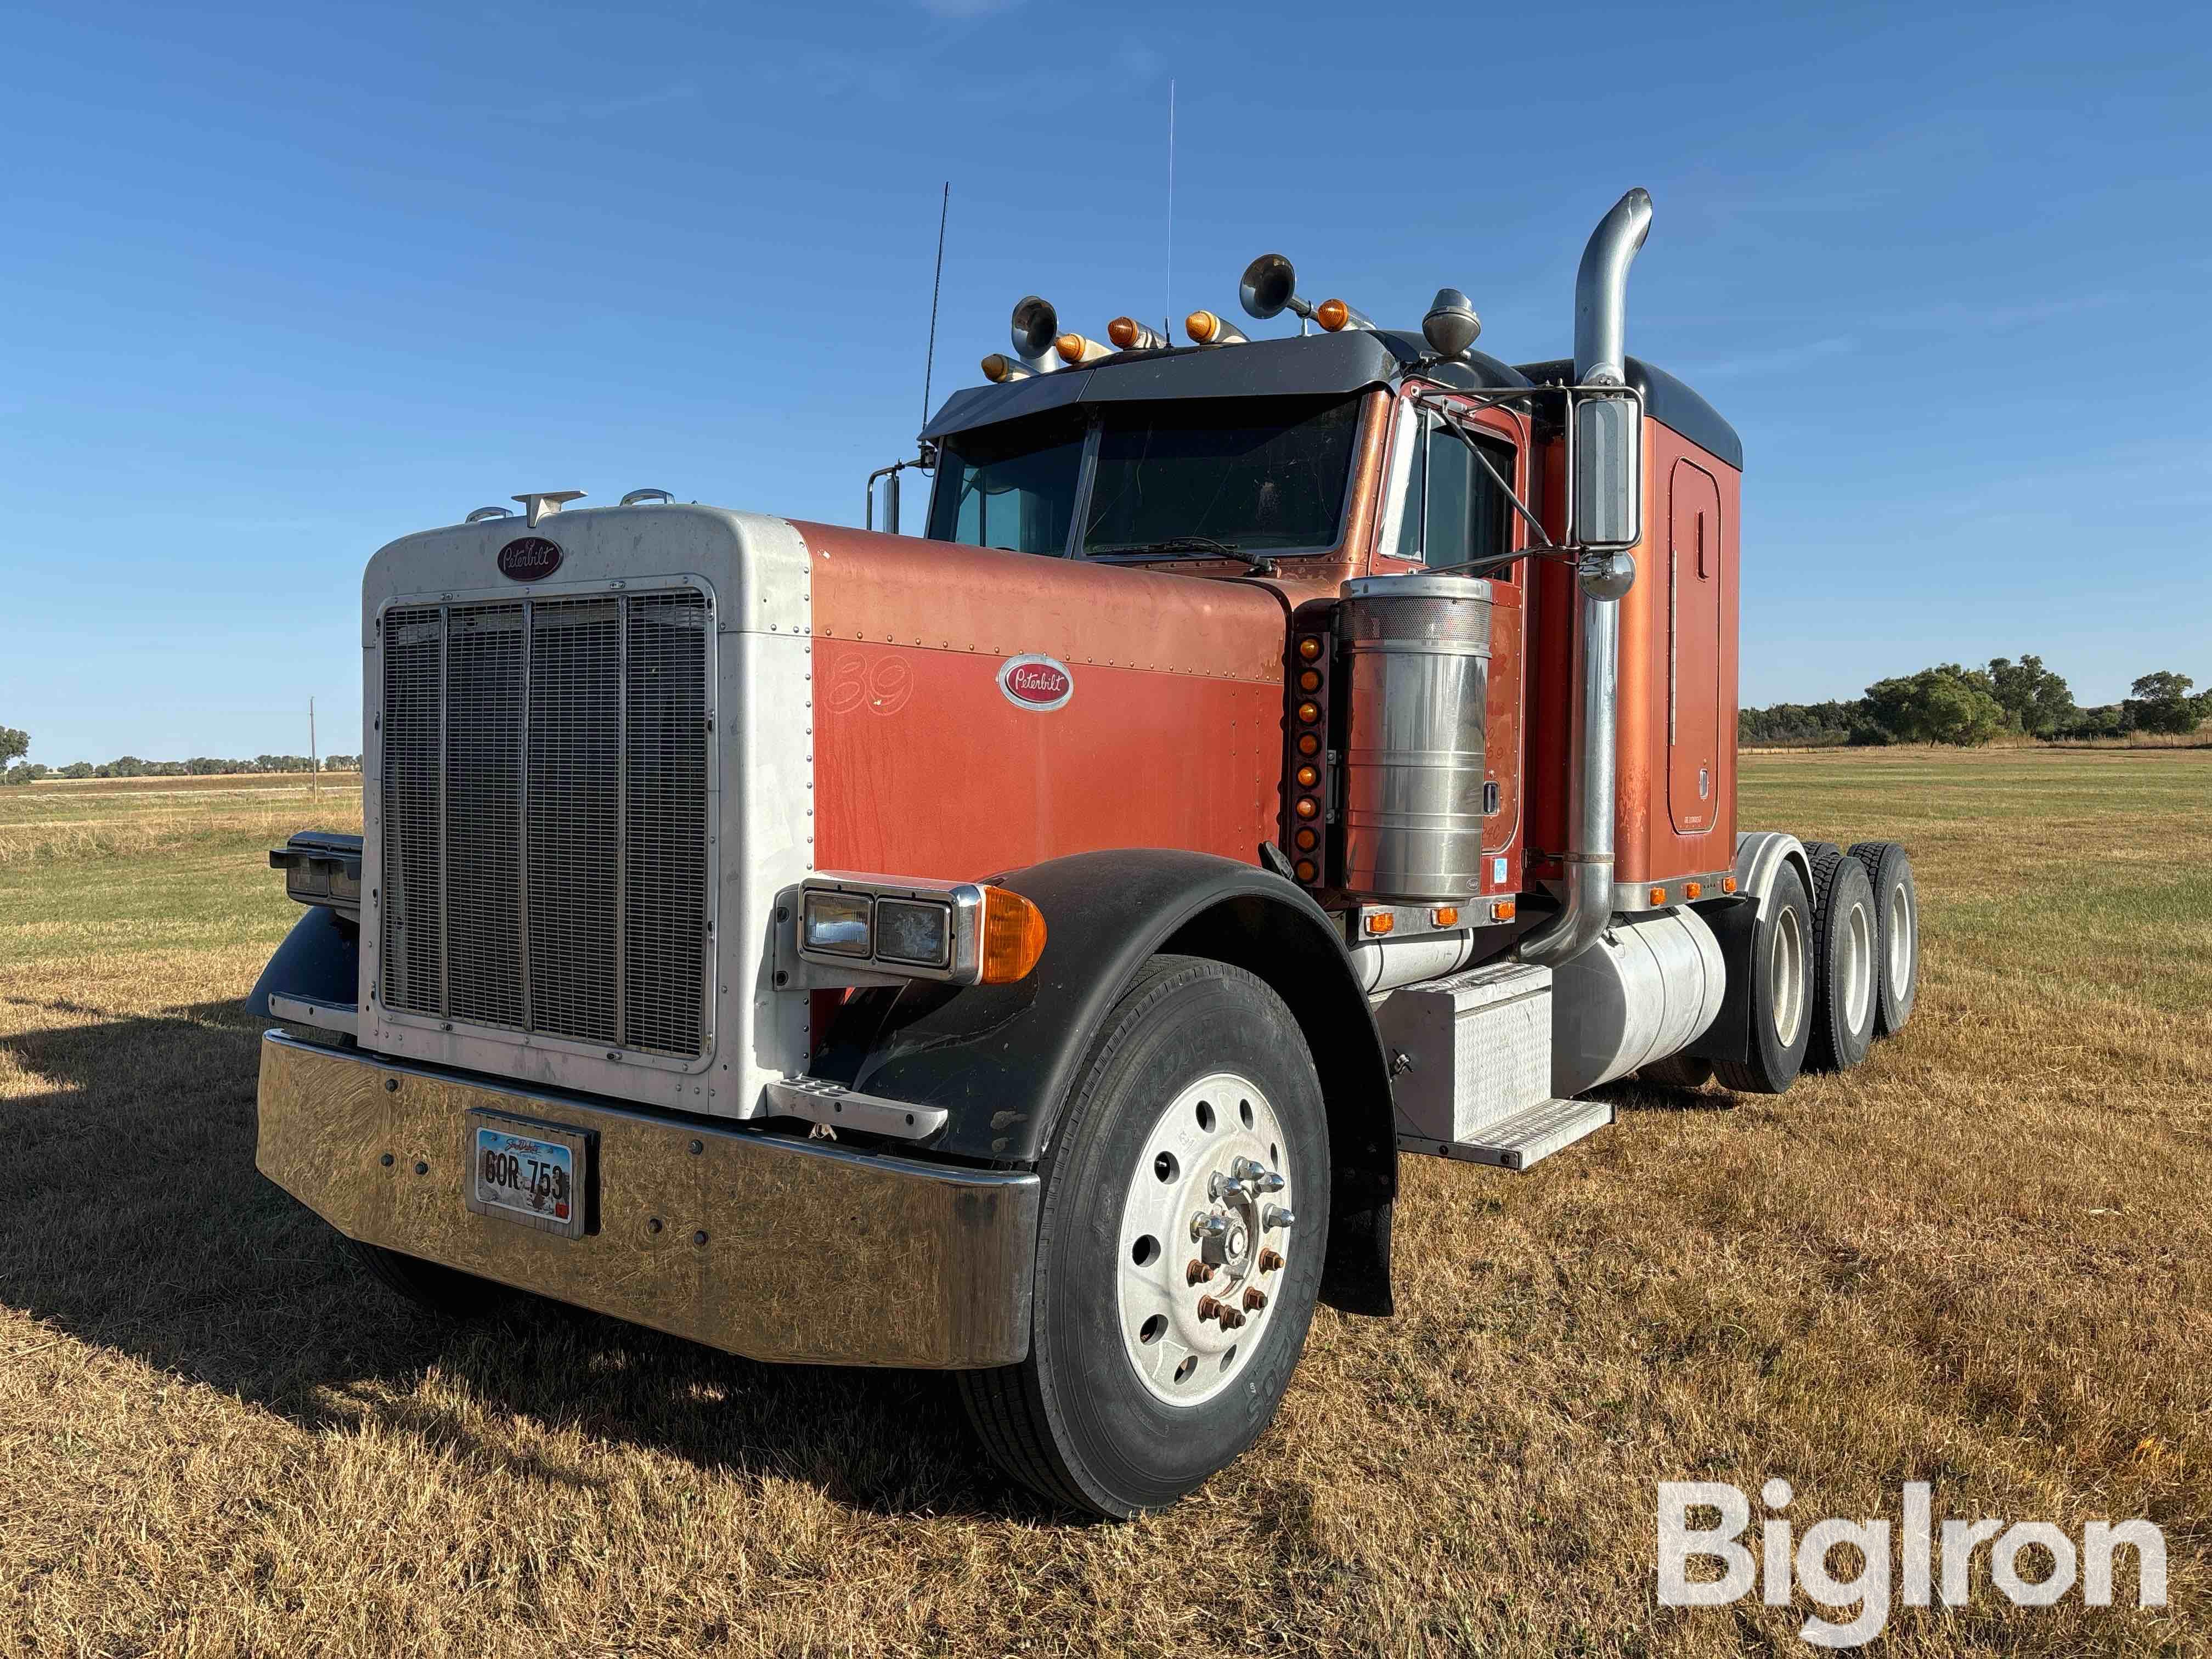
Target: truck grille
545,776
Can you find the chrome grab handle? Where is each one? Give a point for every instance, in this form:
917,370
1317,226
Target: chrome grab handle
483,512
638,495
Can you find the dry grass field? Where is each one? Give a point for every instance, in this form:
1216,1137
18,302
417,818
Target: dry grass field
1980,1260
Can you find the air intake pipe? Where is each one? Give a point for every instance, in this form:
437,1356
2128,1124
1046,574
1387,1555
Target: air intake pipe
1600,359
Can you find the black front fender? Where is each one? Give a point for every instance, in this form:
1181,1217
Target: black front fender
1003,1060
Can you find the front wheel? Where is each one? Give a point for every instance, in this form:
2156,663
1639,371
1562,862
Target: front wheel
1179,1249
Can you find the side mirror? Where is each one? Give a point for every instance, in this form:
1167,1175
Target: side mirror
1605,468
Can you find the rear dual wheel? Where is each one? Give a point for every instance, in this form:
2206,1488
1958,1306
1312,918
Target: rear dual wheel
1179,1247
1844,972
1897,931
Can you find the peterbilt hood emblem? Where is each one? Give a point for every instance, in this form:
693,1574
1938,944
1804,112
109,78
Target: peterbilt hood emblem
529,559
1038,683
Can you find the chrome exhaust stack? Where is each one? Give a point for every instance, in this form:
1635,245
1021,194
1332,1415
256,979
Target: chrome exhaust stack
1600,359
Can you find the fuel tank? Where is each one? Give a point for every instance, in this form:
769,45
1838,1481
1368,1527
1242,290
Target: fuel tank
1647,989
974,710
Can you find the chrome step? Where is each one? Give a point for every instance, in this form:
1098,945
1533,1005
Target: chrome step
1515,1142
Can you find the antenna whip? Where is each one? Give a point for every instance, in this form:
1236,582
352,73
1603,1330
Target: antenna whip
936,283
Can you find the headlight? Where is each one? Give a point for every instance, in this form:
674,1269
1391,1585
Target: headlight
915,933
837,922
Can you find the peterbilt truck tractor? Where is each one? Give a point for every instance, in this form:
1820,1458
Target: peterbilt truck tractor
1027,948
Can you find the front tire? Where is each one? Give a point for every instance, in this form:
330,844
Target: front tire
1169,1311
433,1288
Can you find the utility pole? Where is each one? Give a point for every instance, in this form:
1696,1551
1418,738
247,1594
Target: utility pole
315,763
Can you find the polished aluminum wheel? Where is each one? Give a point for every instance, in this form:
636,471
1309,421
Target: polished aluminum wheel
1788,982
1206,1230
1904,947
1859,970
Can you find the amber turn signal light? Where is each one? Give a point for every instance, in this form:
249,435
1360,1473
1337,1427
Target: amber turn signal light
1727,883
1311,680
1501,911
1012,936
1692,889
1307,806
1658,896
1382,924
1446,916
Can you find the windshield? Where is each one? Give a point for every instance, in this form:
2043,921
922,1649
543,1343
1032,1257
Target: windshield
1009,486
1196,479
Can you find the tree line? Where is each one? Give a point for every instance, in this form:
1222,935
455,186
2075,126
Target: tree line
1953,704
14,744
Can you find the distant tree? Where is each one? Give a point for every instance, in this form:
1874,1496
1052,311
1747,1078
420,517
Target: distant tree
75,769
341,763
14,745
2161,702
2035,700
1798,725
1947,703
124,766
30,772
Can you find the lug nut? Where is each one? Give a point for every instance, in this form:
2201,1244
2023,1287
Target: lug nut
1277,1216
1208,1226
1254,1299
1230,1318
1269,1261
1208,1308
1198,1272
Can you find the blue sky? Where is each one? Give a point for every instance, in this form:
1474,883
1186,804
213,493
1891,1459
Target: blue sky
279,284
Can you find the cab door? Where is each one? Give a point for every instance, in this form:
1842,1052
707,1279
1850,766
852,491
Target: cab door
1693,654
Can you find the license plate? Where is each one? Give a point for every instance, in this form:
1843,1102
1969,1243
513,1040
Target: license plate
535,1174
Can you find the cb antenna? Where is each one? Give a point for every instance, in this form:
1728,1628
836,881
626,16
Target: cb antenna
937,283
1167,317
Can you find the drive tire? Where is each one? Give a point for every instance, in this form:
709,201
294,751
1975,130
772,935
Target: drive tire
1897,932
1075,1422
1845,958
433,1288
1781,992
1677,1072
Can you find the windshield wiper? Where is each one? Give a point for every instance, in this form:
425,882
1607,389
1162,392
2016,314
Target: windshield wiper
1259,562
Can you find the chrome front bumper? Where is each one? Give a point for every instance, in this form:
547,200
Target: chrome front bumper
761,1245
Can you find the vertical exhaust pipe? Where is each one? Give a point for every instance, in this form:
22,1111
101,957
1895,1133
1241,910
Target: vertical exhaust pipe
1600,359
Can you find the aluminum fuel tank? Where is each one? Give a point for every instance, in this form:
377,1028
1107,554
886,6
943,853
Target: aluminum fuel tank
1415,654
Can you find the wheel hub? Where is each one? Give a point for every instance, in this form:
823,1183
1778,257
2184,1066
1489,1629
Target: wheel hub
1212,1179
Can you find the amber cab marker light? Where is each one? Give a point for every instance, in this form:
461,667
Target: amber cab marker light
1309,647
1304,870
1307,806
1308,776
997,367
1307,841
1308,712
1382,924
1311,680
1332,315
1727,883
1122,331
1501,911
1201,326
1447,915
1309,745
1658,896
1692,889
1013,936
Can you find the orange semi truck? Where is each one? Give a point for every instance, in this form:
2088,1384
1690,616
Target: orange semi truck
1027,949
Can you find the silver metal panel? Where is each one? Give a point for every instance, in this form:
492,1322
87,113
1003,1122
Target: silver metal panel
310,1010
1524,1138
1631,897
747,1242
817,1100
1416,654
1478,1049
754,574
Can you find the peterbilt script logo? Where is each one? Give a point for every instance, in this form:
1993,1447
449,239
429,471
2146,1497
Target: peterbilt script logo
1039,684
529,559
